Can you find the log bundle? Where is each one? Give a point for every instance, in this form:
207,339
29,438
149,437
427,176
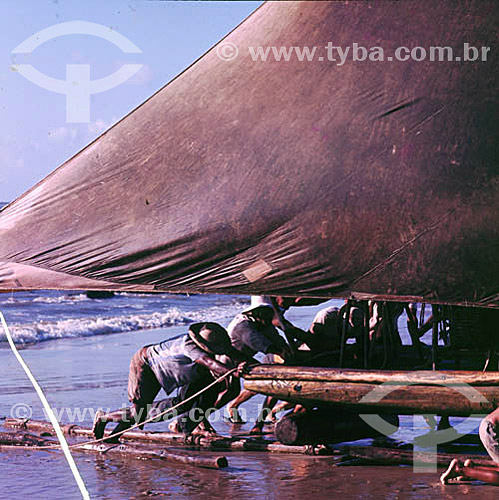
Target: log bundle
370,391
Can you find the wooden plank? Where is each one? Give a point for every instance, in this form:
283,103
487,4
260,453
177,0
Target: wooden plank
402,399
448,377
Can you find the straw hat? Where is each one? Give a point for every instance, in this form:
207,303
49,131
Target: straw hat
258,301
210,337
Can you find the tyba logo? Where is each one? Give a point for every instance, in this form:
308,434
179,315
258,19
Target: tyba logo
77,87
432,439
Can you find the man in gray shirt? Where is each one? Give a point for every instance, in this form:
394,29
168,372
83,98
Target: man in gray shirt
251,332
187,363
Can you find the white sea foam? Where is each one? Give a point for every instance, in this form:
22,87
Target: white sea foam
64,299
102,325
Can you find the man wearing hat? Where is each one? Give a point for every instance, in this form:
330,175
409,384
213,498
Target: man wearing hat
251,332
188,363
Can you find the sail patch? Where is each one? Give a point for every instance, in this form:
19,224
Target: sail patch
257,271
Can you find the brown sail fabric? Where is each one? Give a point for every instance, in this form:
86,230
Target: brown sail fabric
20,277
313,178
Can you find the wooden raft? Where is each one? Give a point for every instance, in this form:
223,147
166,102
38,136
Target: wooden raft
22,439
170,438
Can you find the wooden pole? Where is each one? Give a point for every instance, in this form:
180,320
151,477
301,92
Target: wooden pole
345,319
373,398
407,457
434,337
144,452
307,373
365,334
22,438
282,326
324,426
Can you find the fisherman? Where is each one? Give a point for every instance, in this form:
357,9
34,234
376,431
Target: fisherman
187,363
294,335
321,340
325,333
252,332
489,435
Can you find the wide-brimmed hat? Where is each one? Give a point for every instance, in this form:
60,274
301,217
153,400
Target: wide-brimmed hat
258,301
211,338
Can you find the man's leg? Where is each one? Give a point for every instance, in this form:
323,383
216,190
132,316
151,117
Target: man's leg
190,414
196,414
488,475
233,406
143,387
101,419
125,418
268,404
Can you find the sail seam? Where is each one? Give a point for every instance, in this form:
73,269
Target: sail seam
395,252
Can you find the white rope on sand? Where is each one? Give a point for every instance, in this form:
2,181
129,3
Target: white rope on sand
50,413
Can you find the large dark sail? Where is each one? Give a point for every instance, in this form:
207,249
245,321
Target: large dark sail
367,179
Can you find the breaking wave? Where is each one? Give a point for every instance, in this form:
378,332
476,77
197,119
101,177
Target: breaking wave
89,326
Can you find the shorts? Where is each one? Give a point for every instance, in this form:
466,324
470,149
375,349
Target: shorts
490,438
143,386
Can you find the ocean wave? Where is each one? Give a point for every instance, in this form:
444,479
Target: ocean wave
64,299
90,326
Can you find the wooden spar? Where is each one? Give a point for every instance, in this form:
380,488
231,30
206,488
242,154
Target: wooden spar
368,398
281,372
407,457
170,438
144,452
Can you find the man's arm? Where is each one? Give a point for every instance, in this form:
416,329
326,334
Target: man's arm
212,365
220,368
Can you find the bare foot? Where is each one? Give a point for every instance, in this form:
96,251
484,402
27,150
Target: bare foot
174,426
451,473
235,416
256,430
99,425
202,432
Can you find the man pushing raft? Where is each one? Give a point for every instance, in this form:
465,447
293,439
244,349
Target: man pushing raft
187,363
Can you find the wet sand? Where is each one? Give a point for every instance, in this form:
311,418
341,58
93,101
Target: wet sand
92,372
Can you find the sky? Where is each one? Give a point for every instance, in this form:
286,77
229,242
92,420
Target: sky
35,136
